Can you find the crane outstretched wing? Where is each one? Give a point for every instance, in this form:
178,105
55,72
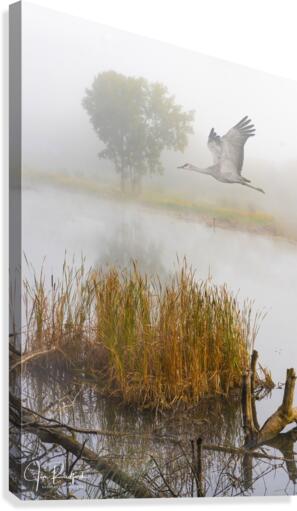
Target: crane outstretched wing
232,153
214,144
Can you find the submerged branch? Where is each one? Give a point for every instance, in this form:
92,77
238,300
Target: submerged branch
52,428
27,420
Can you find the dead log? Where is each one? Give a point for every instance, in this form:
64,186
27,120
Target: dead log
284,415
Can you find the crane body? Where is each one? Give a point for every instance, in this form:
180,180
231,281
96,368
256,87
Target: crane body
228,155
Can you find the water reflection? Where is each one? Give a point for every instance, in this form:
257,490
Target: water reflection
129,242
257,267
156,448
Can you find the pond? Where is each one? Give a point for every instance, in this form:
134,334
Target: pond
260,268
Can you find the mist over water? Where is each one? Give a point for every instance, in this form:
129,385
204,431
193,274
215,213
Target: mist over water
109,232
57,135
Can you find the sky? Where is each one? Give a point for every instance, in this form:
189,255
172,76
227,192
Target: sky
62,54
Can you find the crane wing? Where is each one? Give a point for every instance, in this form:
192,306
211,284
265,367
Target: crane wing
233,145
214,144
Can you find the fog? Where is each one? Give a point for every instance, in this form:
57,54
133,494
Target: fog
62,55
108,232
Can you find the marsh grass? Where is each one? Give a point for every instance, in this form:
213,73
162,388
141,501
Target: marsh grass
149,343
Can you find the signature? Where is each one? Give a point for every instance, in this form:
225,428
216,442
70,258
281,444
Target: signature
33,473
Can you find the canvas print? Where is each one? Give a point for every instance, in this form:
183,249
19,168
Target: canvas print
153,276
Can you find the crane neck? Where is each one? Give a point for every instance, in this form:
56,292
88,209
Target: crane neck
206,170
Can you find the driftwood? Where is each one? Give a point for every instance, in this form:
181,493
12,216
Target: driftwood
27,420
270,433
284,415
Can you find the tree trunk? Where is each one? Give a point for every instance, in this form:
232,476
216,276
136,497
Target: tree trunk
123,181
136,182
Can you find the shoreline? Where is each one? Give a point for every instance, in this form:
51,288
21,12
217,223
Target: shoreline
170,205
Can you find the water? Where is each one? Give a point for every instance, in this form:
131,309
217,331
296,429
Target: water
254,266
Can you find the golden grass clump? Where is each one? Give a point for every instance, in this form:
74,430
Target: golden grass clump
152,344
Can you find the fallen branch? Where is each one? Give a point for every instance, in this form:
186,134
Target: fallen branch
242,451
284,415
30,356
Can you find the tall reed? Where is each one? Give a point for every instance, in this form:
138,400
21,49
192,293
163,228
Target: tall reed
152,344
